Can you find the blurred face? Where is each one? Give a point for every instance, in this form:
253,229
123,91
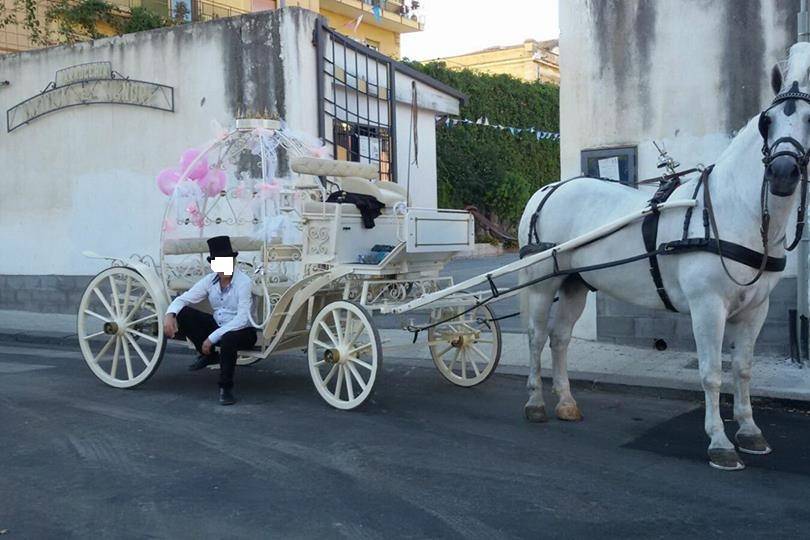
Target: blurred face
222,266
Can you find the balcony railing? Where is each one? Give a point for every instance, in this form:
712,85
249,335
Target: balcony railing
184,10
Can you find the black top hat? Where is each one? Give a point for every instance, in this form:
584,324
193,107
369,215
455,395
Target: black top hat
220,246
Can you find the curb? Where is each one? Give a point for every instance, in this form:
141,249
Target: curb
649,386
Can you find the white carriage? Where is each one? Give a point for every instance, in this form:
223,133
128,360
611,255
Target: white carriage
319,275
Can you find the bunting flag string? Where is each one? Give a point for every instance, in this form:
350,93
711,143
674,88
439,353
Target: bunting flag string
484,121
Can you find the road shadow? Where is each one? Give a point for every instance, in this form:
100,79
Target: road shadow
682,437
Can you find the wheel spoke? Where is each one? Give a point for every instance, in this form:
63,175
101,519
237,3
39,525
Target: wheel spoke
141,334
329,334
484,341
472,363
439,355
330,375
349,385
104,349
453,363
128,361
142,319
105,303
96,315
127,292
361,363
360,348
321,344
138,350
463,364
477,351
348,324
136,306
339,384
338,328
319,363
91,336
356,375
114,289
114,367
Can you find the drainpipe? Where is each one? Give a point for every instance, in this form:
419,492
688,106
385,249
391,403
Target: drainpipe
803,255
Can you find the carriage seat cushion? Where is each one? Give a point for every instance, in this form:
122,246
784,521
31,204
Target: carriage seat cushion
333,167
185,246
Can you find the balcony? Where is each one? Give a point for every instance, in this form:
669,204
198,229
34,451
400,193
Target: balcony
182,10
400,16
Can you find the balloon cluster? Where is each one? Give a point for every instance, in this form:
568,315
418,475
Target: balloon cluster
211,180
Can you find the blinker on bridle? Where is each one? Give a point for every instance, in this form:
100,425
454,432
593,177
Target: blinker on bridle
798,153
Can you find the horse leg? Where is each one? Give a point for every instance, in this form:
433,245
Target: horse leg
743,332
708,323
565,314
539,298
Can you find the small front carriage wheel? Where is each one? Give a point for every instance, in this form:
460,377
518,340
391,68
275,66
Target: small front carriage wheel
466,350
120,330
345,354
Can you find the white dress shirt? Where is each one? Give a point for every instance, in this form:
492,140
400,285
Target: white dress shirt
231,306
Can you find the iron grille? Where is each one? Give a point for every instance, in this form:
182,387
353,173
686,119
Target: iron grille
356,102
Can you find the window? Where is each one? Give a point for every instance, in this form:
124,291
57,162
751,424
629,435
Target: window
363,144
373,44
615,163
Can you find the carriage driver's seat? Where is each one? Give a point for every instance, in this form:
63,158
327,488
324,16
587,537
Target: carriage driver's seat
352,177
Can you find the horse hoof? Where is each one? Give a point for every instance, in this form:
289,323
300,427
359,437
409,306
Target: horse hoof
753,444
568,412
725,459
535,413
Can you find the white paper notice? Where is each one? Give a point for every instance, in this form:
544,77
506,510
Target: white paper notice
609,168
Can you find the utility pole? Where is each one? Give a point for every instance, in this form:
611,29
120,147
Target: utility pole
803,253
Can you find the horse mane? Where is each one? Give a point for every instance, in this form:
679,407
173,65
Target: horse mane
797,65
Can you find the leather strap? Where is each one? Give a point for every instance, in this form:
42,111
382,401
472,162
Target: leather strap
649,232
729,250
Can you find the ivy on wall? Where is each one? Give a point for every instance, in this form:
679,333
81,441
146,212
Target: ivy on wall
492,169
68,21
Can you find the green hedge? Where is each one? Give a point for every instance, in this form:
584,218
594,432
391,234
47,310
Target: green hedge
491,168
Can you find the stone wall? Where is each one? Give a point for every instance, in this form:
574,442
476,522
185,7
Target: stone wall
619,322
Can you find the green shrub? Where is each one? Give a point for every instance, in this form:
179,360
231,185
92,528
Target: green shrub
488,167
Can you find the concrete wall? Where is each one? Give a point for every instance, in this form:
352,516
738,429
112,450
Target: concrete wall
687,73
83,178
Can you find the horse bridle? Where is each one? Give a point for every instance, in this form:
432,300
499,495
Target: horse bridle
798,153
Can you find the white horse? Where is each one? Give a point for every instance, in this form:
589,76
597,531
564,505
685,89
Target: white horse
695,282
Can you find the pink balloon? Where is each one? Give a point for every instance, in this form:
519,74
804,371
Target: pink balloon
167,180
214,182
200,168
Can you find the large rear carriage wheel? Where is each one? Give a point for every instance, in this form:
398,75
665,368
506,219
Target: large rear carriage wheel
120,330
345,354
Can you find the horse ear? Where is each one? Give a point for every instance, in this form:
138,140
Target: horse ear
776,79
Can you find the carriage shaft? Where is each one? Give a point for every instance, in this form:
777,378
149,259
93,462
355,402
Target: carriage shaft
599,232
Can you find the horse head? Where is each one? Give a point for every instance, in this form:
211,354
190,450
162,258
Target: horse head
785,125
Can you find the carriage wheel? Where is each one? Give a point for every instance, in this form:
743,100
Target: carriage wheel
120,330
465,350
345,354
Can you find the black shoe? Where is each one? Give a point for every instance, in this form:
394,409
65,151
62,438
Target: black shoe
203,361
226,397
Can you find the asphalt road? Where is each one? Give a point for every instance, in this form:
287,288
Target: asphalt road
423,459
462,269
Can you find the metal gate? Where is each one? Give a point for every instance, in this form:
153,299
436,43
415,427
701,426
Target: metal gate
356,102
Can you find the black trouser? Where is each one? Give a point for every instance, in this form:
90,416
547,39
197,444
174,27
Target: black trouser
197,325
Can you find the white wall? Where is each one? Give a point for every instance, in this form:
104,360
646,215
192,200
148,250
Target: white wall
83,178
687,73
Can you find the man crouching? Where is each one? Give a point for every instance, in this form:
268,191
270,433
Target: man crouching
228,290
